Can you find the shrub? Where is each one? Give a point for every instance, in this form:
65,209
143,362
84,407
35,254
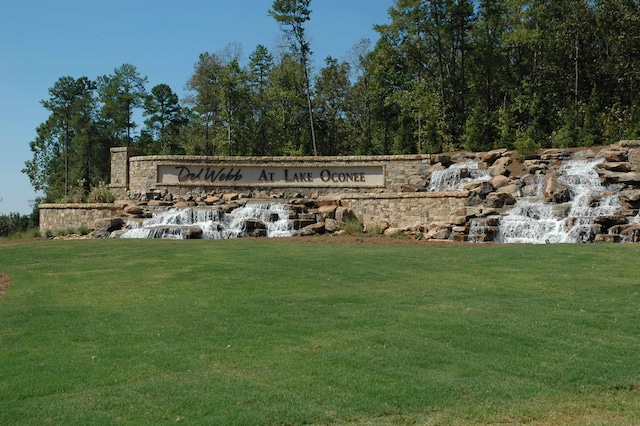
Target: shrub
352,227
526,147
101,194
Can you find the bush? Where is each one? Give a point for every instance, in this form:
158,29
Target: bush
526,147
352,227
101,194
14,223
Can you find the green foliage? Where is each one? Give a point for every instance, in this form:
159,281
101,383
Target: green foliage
442,76
16,224
363,336
100,194
352,227
526,147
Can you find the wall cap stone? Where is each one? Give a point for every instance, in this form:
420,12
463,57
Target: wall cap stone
298,159
84,206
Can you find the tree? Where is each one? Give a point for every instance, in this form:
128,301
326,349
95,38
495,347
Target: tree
165,114
120,93
63,148
291,15
205,101
359,117
331,91
260,68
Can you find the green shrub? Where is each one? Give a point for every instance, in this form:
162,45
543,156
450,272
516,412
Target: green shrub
526,147
352,227
101,194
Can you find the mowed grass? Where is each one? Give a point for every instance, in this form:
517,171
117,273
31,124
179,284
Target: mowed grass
246,332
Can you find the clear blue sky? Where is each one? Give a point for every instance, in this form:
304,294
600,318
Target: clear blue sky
43,40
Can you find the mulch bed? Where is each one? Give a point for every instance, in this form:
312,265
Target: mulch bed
4,283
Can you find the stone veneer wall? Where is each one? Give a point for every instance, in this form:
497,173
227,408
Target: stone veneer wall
55,217
143,172
400,210
120,170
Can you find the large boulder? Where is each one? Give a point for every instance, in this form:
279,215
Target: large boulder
616,156
554,190
108,225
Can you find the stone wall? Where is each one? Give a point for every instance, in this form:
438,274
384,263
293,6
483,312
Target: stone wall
418,210
55,217
120,170
143,173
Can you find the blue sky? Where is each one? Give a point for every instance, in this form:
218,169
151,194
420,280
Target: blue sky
43,40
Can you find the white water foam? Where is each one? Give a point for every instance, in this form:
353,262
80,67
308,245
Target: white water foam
172,223
456,176
533,221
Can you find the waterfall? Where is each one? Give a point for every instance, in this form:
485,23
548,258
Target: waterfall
534,221
179,223
456,176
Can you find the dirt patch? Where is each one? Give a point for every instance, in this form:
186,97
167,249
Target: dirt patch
374,240
4,283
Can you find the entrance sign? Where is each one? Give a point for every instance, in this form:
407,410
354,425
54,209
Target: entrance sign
345,177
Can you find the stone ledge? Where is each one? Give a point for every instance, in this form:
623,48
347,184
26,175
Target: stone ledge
404,195
83,206
299,159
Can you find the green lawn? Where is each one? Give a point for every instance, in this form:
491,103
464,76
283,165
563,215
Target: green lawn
251,332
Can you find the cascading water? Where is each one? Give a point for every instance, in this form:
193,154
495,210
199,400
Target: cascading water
175,223
456,176
533,221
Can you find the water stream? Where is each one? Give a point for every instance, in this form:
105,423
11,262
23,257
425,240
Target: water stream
532,220
179,223
456,176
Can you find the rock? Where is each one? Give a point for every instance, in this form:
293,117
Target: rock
616,167
344,214
607,222
499,181
211,200
438,231
230,197
316,228
160,203
554,190
417,181
255,228
108,225
392,231
457,220
607,238
134,210
491,156
631,233
630,198
443,159
191,233
301,223
555,154
328,200
498,169
499,200
325,212
331,225
616,156
408,188
512,188
533,167
228,208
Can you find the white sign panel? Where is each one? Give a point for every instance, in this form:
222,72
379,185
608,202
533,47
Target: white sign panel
347,177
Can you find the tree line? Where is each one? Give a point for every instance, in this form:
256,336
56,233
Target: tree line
444,75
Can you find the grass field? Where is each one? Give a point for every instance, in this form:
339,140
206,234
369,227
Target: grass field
252,332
